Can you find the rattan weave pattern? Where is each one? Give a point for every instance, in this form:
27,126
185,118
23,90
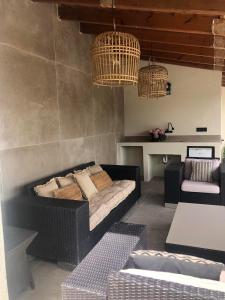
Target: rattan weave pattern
131,287
115,59
152,81
89,278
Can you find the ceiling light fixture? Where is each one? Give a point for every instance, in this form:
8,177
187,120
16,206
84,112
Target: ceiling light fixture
115,58
152,81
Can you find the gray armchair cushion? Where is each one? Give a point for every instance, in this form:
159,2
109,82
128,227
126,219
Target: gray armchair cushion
171,264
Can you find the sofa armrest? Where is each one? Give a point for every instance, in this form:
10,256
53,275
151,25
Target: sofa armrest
173,181
119,172
59,217
222,183
176,168
134,287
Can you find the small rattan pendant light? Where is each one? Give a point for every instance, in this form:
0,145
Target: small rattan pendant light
115,58
152,81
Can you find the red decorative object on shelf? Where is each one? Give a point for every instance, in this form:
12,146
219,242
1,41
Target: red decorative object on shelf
157,134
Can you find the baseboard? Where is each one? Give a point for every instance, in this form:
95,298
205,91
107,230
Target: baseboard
171,205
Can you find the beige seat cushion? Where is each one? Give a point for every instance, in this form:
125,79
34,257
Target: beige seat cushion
47,189
86,185
70,192
65,181
200,187
105,201
101,180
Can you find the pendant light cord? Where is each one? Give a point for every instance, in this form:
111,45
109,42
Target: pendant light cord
113,13
150,57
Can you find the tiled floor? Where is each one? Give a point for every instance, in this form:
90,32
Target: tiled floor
148,210
47,278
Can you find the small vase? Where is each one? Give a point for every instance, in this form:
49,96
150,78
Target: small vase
158,139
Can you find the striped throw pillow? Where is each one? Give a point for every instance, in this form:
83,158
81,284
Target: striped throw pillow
202,171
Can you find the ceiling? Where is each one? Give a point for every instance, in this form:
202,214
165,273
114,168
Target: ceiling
181,32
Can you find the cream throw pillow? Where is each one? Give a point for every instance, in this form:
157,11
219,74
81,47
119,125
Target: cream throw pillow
87,186
47,189
65,181
94,169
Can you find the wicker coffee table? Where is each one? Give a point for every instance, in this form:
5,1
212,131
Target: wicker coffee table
89,278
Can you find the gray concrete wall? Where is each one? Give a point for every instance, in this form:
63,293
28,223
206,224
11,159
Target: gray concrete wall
51,117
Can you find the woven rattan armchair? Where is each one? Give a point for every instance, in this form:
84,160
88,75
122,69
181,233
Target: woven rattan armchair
122,286
174,192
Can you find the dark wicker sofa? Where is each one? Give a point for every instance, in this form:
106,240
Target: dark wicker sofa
63,225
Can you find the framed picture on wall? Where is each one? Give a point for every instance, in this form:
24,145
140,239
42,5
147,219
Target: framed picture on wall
200,152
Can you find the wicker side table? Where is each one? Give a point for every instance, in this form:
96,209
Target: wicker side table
88,281
19,274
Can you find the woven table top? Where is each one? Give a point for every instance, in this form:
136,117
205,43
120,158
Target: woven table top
110,254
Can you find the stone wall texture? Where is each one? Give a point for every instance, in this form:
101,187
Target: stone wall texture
51,116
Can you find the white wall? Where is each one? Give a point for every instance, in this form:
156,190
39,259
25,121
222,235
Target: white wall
195,102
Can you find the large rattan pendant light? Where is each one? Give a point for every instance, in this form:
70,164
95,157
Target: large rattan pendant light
115,58
152,81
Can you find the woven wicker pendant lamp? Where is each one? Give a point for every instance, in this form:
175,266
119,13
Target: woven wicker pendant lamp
115,58
152,81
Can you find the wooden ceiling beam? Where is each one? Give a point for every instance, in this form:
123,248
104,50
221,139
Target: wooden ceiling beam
138,19
166,37
184,63
223,79
182,49
184,57
203,7
200,7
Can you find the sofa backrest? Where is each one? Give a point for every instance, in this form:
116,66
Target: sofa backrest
30,187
